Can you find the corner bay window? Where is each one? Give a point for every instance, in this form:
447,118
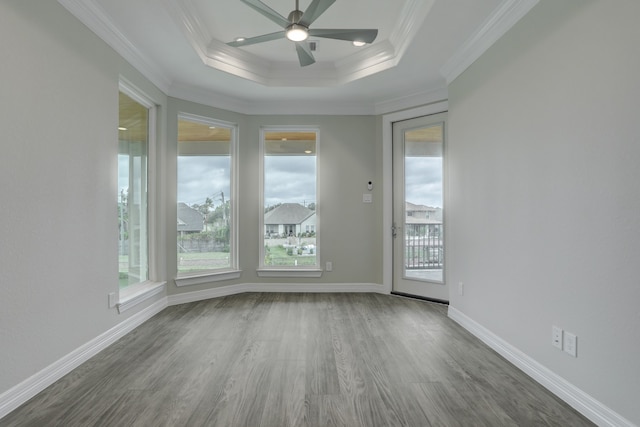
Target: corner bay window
205,211
133,148
289,220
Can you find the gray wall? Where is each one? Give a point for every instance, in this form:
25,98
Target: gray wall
544,200
58,121
351,231
544,151
59,118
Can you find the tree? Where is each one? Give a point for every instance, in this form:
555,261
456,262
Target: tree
204,208
220,213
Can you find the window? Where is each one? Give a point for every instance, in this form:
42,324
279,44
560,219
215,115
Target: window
289,236
206,221
133,219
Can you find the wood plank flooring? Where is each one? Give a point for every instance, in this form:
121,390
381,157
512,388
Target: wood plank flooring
276,360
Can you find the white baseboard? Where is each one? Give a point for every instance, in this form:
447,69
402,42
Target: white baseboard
21,393
222,291
573,396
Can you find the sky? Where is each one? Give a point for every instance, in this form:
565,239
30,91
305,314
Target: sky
423,181
200,177
288,179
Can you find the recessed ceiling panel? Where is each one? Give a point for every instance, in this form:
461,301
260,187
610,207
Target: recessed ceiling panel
229,19
180,46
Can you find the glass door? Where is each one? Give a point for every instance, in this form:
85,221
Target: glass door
418,207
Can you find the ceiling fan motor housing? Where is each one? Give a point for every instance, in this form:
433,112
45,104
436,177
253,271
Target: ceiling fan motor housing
295,16
296,32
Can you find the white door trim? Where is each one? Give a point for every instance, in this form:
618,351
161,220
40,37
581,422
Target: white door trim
387,181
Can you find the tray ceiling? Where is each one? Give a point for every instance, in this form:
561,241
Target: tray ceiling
180,45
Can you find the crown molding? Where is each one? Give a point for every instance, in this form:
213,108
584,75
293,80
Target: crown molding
367,61
269,107
370,60
411,101
209,98
501,20
411,19
94,17
290,107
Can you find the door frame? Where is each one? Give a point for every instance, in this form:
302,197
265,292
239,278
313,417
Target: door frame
387,183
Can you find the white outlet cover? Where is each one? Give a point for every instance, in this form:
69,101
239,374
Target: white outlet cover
112,300
570,344
556,337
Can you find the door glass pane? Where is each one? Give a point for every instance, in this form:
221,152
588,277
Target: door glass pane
423,231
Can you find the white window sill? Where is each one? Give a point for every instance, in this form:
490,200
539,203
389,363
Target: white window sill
306,272
207,277
135,294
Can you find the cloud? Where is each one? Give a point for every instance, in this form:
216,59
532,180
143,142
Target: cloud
289,179
200,177
423,180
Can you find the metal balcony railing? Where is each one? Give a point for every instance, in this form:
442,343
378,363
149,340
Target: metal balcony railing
424,247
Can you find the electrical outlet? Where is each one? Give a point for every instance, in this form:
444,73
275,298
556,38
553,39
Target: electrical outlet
460,288
571,344
113,300
329,266
556,337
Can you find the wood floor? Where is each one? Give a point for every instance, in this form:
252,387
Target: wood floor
281,360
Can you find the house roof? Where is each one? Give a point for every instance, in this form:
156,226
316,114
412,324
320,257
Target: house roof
435,216
189,219
288,213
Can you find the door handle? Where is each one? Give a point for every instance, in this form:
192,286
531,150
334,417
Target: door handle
394,229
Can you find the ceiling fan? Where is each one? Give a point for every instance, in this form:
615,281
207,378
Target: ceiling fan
296,28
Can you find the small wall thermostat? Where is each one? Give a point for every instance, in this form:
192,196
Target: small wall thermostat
370,185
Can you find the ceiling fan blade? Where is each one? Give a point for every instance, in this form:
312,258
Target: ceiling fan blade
313,12
367,36
258,39
304,54
268,12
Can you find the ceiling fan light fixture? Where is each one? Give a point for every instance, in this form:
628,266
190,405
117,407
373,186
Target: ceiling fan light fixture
297,32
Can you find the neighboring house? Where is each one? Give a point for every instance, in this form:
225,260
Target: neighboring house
421,214
289,219
189,219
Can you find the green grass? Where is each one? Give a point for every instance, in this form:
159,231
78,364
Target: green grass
197,261
277,256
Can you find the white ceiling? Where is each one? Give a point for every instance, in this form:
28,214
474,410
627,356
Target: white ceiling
180,45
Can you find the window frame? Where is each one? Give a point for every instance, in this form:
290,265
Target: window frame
136,293
302,271
233,271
